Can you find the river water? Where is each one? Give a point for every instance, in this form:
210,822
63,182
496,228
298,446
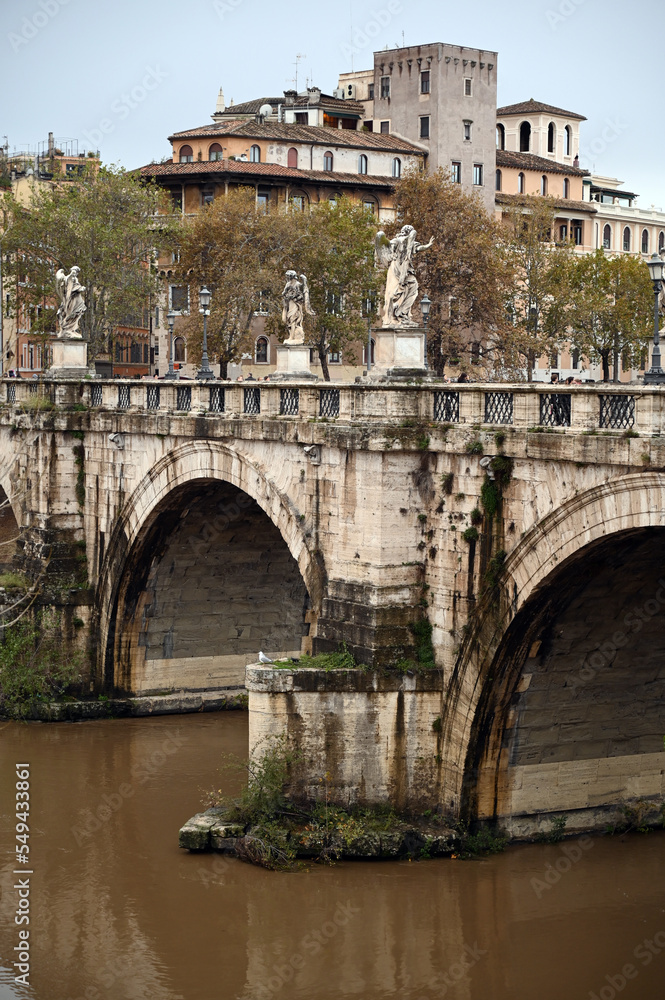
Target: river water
118,912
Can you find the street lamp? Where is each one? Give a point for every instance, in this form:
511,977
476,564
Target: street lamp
205,371
656,269
171,321
369,305
425,306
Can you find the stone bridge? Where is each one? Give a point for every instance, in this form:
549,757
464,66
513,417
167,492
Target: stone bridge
182,527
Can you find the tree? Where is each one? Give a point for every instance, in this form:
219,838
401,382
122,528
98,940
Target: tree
539,304
466,273
611,310
337,256
239,253
105,222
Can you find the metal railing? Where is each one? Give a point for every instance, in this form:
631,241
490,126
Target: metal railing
289,402
617,412
328,402
252,400
446,406
555,409
498,407
183,398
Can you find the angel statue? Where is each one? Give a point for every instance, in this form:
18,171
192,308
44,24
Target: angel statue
296,303
72,305
401,282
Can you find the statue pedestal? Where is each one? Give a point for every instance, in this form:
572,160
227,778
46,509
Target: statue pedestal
399,353
292,364
70,358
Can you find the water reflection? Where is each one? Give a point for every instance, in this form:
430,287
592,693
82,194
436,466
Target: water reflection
119,913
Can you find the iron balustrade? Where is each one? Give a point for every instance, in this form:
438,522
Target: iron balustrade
124,397
446,406
11,392
289,402
252,400
183,397
32,388
555,409
217,399
152,397
96,395
617,411
328,402
498,407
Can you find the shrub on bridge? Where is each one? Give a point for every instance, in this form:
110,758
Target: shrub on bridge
32,667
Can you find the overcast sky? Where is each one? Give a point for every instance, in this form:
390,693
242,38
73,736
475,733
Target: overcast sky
121,76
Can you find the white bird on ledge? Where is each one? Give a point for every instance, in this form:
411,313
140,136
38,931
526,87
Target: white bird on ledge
264,659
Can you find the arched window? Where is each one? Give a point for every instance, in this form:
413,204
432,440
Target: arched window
566,188
497,183
371,352
370,206
520,183
543,184
551,137
525,137
327,160
626,238
215,152
292,158
568,144
255,154
186,154
607,237
334,198
397,167
661,241
645,241
179,350
261,351
298,202
362,164
500,137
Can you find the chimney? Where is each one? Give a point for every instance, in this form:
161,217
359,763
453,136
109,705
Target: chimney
51,145
314,95
220,106
290,97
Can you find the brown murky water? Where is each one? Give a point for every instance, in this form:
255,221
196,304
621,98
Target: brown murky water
122,914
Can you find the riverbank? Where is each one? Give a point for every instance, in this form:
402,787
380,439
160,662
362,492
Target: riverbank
169,703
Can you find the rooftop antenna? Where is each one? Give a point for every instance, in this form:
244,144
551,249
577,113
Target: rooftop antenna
299,56
351,31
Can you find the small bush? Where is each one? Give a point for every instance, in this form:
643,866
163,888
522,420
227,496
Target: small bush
474,447
476,516
37,403
32,668
470,535
447,482
480,844
556,832
14,581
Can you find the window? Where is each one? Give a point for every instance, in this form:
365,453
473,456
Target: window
368,124
179,351
497,183
176,200
467,130
578,232
135,354
397,167
424,127
551,137
186,154
575,358
424,82
385,128
207,195
563,233
255,154
500,137
263,197
645,241
370,92
477,174
335,357
362,164
215,152
333,199
369,206
661,244
626,238
261,352
327,161
292,158
263,303
520,183
298,202
179,298
456,172
467,87
566,188
385,87
333,303
607,237
543,185
525,137
568,141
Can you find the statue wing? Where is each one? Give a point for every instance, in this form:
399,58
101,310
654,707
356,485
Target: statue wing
382,252
60,280
305,290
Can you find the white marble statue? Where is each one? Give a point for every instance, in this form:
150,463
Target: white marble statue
72,305
295,299
401,282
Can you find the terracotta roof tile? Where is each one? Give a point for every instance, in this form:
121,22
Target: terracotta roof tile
280,132
536,107
520,199
529,161
269,171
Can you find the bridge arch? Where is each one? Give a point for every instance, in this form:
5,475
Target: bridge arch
608,540
195,502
